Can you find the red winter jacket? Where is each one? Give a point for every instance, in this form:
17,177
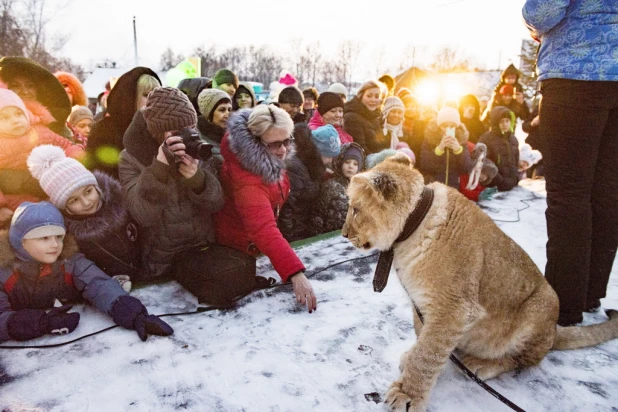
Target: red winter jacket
248,221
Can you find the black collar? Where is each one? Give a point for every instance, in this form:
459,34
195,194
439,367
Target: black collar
385,260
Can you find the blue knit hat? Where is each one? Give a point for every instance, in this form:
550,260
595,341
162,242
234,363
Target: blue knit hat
31,221
326,139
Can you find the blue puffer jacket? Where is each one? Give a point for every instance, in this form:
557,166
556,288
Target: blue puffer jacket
579,38
30,285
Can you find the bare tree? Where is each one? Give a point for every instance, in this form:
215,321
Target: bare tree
169,59
208,59
347,58
11,36
448,60
314,57
23,32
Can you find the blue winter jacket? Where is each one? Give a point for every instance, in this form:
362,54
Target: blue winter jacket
31,285
579,38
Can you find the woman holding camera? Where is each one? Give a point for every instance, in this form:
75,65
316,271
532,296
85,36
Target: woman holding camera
171,193
256,186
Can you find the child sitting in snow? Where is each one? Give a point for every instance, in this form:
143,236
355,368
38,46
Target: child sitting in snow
22,128
93,210
502,148
332,204
527,158
39,266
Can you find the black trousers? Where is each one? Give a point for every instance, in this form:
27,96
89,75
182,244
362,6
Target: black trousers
579,138
216,274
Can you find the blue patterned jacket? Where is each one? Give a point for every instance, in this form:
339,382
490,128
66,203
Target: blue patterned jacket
579,38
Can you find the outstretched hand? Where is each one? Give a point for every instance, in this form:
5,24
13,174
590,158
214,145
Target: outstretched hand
304,292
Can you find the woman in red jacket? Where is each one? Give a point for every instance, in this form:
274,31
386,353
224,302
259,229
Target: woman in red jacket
255,187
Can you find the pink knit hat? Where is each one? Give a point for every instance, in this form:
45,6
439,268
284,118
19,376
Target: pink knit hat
9,98
58,175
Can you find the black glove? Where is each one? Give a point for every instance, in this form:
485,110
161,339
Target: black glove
26,324
129,313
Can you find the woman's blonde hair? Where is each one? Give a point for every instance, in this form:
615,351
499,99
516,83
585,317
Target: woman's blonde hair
369,84
145,84
264,117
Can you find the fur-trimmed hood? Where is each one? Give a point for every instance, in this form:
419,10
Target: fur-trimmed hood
249,151
50,92
8,256
110,218
77,88
433,134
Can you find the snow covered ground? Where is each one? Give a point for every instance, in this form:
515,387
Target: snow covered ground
269,354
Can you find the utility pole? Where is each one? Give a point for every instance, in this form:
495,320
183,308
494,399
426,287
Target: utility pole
500,59
135,42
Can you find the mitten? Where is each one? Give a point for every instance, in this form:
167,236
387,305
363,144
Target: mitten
130,313
26,324
488,193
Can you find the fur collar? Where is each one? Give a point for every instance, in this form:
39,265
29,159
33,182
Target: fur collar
111,217
8,257
433,134
252,155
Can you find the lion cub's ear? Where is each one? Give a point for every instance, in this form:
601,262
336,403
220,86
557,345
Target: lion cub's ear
401,158
380,185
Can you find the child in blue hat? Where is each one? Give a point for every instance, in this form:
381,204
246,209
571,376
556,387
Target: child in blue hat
39,265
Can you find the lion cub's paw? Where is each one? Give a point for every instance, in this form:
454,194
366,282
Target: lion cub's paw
403,360
397,400
485,368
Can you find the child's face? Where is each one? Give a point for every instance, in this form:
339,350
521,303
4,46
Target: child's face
13,121
44,249
83,201
505,125
510,78
349,168
244,100
83,127
394,117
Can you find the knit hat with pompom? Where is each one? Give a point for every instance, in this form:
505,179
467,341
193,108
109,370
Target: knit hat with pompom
58,175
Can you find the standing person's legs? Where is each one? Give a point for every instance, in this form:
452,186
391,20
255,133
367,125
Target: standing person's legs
571,126
604,209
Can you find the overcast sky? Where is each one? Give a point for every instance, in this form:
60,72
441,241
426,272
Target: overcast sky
102,29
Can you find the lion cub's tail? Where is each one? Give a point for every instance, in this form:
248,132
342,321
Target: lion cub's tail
575,337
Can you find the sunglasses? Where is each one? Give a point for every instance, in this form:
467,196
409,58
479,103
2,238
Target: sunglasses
277,145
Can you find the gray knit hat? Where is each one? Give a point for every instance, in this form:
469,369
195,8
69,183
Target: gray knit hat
168,109
209,99
79,113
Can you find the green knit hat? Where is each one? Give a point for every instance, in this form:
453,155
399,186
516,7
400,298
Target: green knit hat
224,76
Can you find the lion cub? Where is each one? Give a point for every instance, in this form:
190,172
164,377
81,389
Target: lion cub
480,294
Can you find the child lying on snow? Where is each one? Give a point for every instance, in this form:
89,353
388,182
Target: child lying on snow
36,269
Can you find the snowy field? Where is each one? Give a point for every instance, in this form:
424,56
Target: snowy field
269,354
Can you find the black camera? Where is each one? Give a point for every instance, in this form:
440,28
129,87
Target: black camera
195,147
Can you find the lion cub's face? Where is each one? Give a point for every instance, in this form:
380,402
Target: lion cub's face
380,202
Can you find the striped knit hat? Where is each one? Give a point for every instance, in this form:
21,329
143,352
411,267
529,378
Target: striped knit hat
58,175
168,110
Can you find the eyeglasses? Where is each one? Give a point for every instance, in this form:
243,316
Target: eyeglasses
274,146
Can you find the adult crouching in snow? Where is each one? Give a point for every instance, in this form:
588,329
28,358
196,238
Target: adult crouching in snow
256,186
171,195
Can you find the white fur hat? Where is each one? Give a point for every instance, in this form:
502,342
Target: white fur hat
58,175
531,156
338,88
448,114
